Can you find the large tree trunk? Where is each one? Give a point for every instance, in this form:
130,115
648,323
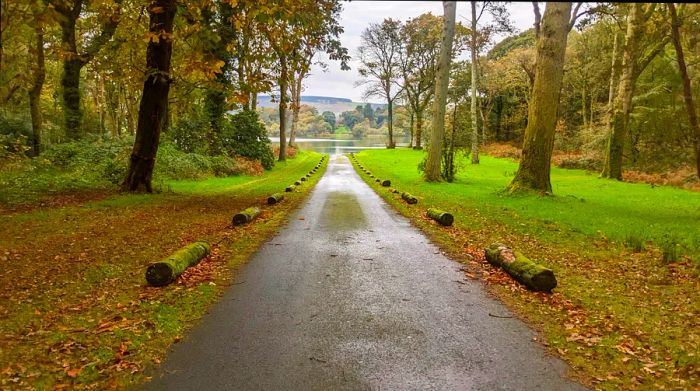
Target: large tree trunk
37,86
533,172
70,82
410,124
432,165
419,129
687,88
475,120
618,123
154,100
283,106
296,106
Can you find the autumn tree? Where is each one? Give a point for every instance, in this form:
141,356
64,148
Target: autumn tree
154,99
379,54
432,164
552,32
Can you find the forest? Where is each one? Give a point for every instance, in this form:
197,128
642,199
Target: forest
131,132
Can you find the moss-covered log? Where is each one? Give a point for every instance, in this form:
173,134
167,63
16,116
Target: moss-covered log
409,198
303,179
275,198
290,188
245,216
165,271
534,276
297,183
441,217
386,183
308,175
395,191
377,180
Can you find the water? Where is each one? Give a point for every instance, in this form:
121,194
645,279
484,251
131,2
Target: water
333,146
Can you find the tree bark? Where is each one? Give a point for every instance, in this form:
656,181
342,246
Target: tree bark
475,121
296,106
687,87
618,122
534,170
154,99
37,86
419,129
283,106
164,272
390,117
432,165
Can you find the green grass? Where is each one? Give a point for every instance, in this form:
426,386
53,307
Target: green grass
624,313
582,202
75,311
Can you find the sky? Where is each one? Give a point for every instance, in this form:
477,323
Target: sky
357,15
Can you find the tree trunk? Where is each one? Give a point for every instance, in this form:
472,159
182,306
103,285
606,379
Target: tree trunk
70,82
296,106
687,88
419,129
475,121
390,116
535,277
154,99
37,86
618,123
533,172
283,106
164,272
432,165
615,69
410,124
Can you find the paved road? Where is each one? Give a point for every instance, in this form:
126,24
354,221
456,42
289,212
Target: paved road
350,296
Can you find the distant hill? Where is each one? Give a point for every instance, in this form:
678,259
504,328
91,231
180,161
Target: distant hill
321,103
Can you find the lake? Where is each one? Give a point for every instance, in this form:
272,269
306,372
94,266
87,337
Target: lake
333,146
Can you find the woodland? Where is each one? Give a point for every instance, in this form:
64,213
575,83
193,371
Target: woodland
584,124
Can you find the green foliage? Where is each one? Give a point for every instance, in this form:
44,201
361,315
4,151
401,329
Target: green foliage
245,136
634,241
189,133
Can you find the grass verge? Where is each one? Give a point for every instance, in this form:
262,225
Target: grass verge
75,311
623,317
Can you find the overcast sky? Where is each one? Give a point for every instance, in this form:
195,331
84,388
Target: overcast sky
357,15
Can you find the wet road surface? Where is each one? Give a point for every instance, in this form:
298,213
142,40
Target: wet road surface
350,296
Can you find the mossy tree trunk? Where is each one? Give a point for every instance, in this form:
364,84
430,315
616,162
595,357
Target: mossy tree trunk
37,85
534,170
432,164
283,80
474,57
154,99
687,87
390,117
419,129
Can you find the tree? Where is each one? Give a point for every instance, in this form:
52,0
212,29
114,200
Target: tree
380,71
329,117
687,88
154,99
75,59
39,75
534,169
368,113
636,55
432,165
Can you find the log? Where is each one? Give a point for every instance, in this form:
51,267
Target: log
290,188
245,216
165,271
308,175
386,183
297,183
275,198
303,179
441,217
377,180
534,276
395,191
409,198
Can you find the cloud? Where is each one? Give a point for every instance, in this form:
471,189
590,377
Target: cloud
356,17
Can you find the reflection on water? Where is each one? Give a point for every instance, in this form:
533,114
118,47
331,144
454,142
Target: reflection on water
332,146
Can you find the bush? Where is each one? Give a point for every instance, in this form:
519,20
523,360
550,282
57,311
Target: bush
244,135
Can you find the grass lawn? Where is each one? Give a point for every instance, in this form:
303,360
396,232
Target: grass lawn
622,316
75,311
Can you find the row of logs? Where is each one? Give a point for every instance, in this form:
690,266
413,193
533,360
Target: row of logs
167,270
529,273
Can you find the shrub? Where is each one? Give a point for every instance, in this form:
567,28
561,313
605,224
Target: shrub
244,135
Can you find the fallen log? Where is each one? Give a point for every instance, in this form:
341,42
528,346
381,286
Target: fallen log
290,188
395,191
245,216
377,180
165,271
409,198
386,183
441,217
308,175
275,198
303,179
534,276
